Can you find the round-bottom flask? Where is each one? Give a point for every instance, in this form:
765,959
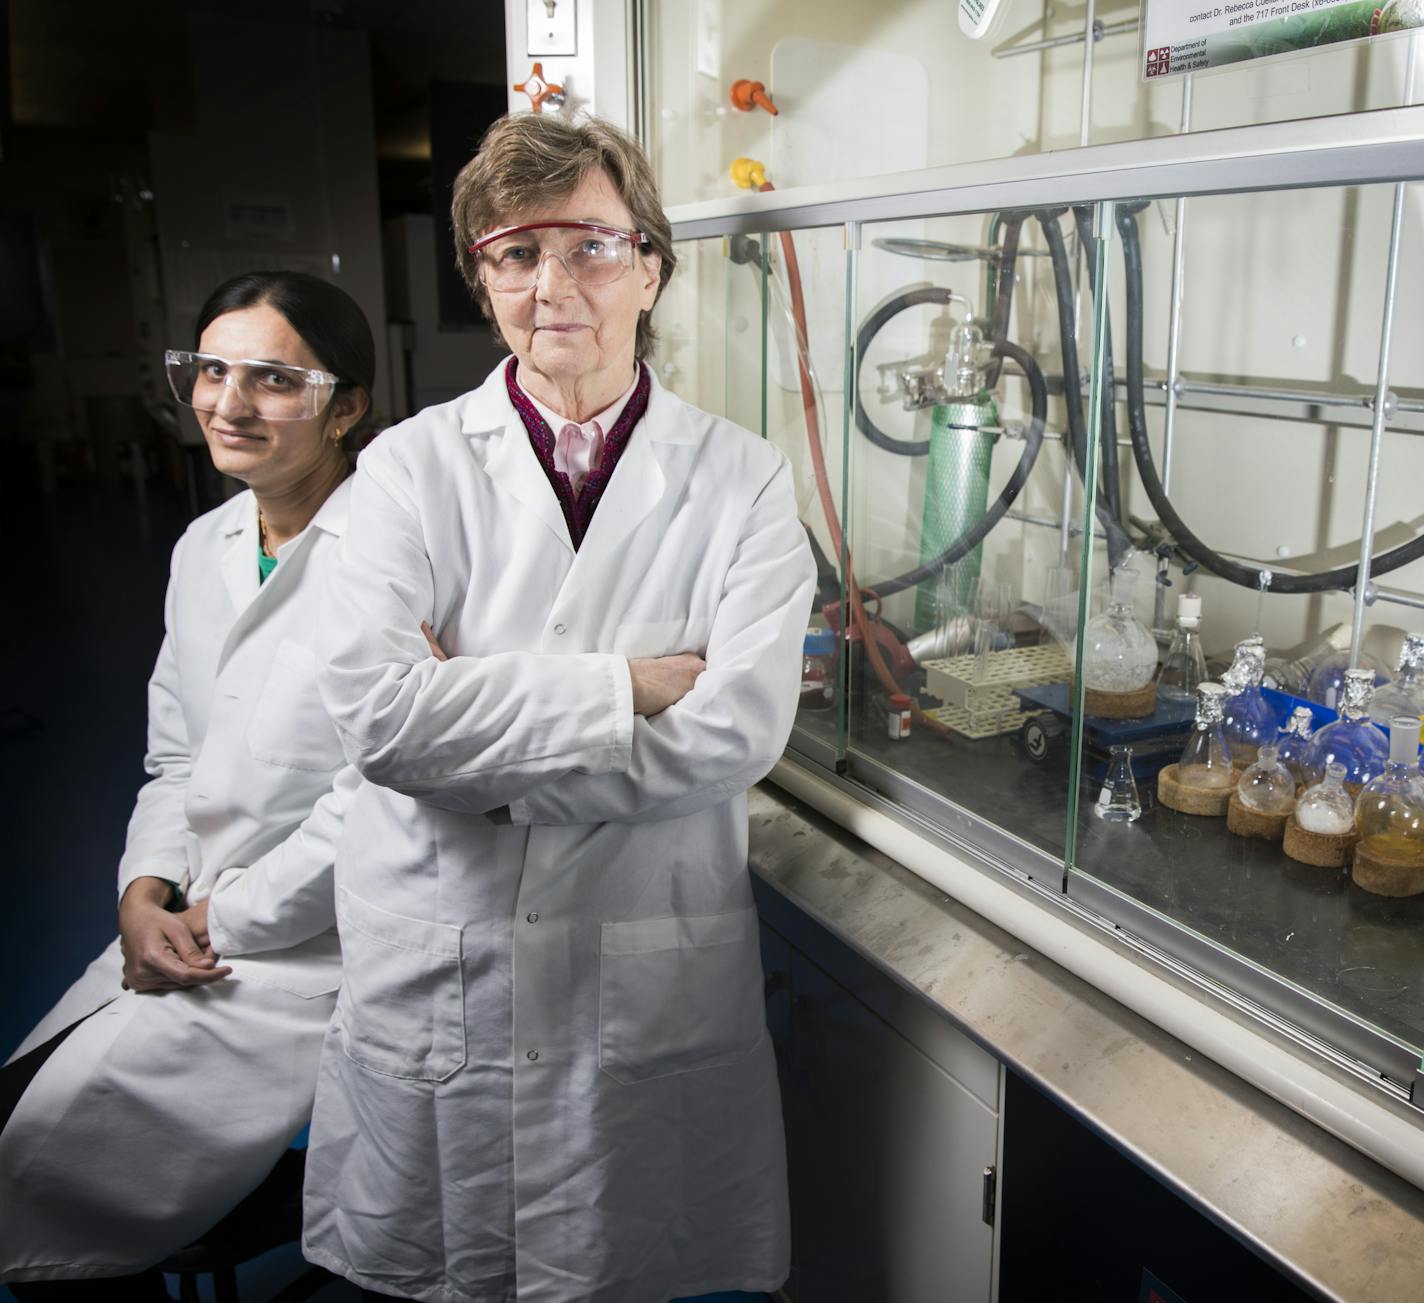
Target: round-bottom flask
1327,679
1389,817
1119,655
1353,740
1404,694
1267,787
1251,720
1326,807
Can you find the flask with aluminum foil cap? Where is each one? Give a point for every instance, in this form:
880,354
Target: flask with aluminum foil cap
1251,720
1404,695
1354,740
1206,759
1327,679
1293,739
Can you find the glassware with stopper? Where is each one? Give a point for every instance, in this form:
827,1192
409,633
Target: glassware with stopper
1185,666
1293,739
1354,740
1404,694
1327,679
1326,807
1206,759
1267,786
1250,719
1389,817
1118,801
1119,654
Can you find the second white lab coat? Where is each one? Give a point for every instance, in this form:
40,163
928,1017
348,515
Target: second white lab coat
548,1076
162,1109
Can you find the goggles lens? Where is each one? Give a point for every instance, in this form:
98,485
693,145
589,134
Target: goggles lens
590,254
270,390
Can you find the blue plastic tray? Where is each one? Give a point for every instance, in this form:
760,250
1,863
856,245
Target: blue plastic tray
1169,717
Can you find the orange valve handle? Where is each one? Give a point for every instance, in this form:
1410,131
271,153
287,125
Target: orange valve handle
539,90
747,95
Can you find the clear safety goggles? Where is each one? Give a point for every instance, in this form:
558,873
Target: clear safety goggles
272,391
592,254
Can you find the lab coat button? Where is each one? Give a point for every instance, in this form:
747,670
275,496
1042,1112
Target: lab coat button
532,1055
531,918
559,629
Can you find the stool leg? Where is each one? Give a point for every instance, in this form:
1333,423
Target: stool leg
225,1285
188,1287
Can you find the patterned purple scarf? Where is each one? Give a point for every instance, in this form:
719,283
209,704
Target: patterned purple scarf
578,511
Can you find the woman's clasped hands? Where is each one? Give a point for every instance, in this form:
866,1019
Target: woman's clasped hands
164,951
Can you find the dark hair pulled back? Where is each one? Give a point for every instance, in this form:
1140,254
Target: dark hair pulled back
328,319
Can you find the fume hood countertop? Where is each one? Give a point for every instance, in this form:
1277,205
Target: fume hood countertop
1305,1199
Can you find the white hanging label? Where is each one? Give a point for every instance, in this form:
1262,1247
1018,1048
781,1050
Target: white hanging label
976,16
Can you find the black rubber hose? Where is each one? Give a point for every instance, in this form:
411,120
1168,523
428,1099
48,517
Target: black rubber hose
869,328
1004,291
1107,442
979,530
1119,541
1343,577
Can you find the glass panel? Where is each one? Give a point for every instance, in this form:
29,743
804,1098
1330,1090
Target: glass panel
957,491
1277,348
803,400
864,88
727,343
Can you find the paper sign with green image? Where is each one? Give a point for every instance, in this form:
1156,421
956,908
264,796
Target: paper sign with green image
1190,35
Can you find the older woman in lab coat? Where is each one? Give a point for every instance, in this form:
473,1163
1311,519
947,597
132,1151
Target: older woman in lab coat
548,1077
171,1076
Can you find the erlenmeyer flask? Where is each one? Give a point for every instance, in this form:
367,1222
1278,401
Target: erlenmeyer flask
1118,801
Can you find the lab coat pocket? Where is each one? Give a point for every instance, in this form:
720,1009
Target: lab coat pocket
678,994
289,725
401,1010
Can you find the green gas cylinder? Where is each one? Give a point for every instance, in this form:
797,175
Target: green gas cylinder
962,434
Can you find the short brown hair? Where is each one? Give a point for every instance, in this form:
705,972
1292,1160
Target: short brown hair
528,160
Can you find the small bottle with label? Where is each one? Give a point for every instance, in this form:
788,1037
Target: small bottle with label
818,670
898,717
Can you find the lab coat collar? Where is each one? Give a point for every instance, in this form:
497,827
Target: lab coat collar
638,481
239,528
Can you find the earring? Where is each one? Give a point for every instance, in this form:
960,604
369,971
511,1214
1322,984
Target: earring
336,435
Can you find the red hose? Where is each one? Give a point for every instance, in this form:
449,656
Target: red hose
823,484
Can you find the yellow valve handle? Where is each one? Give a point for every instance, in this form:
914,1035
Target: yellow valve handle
748,173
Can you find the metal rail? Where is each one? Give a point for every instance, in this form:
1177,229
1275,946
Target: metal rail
1391,280
1100,30
1385,145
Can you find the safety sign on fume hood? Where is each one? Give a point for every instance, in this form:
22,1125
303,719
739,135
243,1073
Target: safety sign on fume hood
1189,35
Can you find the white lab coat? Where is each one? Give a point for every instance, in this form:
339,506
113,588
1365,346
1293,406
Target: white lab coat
548,1076
160,1111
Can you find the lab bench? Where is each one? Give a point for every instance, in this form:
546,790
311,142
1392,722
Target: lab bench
967,1119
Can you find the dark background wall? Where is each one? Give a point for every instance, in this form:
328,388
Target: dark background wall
148,151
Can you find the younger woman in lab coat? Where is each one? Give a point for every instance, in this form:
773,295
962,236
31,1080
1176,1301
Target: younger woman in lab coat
171,1076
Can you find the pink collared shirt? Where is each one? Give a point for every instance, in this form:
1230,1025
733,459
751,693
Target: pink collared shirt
578,448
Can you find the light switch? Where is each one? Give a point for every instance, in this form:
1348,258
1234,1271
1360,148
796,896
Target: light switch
553,26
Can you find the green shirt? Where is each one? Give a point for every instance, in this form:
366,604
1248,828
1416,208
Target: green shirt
265,565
